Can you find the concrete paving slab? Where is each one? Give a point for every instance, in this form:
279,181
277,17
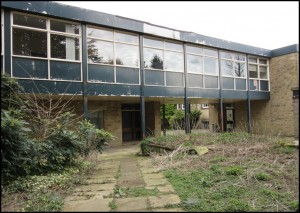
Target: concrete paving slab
166,188
131,204
163,200
103,194
153,176
155,182
167,210
95,187
91,205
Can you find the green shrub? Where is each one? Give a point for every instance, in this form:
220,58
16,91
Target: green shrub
261,176
234,170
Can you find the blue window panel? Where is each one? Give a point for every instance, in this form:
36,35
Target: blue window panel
240,84
99,73
253,84
30,68
174,79
127,75
65,70
227,83
153,77
195,80
264,85
211,81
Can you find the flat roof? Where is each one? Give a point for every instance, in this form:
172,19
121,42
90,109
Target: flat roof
59,10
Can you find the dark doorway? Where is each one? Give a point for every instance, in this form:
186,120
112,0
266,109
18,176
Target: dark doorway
229,119
131,122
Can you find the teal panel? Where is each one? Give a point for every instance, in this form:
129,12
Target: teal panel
100,73
195,80
127,75
174,79
30,68
65,70
211,81
227,83
240,84
153,77
264,85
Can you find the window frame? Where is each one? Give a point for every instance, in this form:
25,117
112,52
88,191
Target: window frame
234,61
114,65
48,34
2,40
258,65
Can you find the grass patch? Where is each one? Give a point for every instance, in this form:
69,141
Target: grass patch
112,204
241,172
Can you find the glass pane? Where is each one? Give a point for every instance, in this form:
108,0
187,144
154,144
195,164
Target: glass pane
100,51
173,46
239,57
153,58
29,21
211,81
226,55
195,50
194,63
29,43
29,68
227,83
263,72
153,43
127,55
99,33
239,69
227,68
264,85
127,75
173,61
262,61
64,47
210,52
253,71
97,73
240,84
253,84
174,79
153,77
195,80
126,38
64,27
252,60
210,66
61,70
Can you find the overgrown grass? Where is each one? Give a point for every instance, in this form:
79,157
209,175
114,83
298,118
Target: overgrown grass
40,193
241,172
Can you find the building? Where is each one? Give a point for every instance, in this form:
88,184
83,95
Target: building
122,70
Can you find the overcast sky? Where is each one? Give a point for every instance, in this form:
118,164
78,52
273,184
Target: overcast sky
267,25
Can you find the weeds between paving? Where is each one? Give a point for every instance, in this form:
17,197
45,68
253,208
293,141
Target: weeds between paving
241,172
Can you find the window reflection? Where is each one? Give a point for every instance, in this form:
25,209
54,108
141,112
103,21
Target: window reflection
153,58
194,63
173,61
126,38
263,72
210,52
29,21
64,47
99,33
210,66
100,51
127,55
253,71
194,50
153,43
29,43
226,68
239,69
64,27
173,46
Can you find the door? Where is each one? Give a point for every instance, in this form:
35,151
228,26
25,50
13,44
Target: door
229,120
131,125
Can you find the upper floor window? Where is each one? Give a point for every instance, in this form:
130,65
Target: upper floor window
110,47
204,106
258,73
32,33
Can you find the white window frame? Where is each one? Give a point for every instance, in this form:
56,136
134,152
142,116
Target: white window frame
164,70
267,65
204,106
48,32
114,42
234,77
2,40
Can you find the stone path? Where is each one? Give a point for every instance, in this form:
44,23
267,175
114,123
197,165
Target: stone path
123,181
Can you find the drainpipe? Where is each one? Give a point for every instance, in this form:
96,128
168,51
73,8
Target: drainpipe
142,98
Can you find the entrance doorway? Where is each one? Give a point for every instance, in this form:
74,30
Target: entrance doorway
131,122
229,119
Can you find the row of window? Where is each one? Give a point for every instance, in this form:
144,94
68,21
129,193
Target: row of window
113,55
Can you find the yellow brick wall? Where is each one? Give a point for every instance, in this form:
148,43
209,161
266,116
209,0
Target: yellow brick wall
157,119
213,115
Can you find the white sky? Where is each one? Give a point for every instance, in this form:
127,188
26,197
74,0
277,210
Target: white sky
267,25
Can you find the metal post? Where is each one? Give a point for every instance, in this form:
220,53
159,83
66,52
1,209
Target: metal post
84,72
164,119
142,98
186,100
248,99
221,96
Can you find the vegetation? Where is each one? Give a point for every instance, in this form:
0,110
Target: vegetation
40,136
241,172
